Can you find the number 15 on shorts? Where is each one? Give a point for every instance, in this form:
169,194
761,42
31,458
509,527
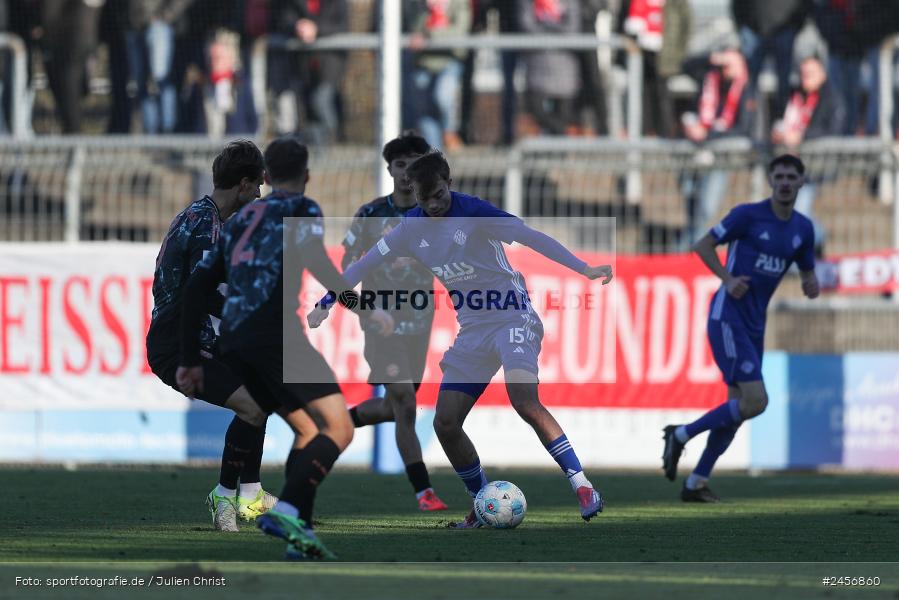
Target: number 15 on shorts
516,335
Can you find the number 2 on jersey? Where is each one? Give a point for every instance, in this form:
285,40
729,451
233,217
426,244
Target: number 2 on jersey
239,255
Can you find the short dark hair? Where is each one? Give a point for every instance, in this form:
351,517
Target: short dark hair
239,159
408,143
426,170
286,159
787,160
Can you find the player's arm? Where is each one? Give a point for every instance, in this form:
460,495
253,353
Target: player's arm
805,260
511,228
388,247
553,250
810,286
199,246
321,267
327,274
202,282
736,286
353,242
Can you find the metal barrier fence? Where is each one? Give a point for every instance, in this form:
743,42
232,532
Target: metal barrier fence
20,119
649,185
129,188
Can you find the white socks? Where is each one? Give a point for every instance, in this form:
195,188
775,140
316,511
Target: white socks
579,480
249,490
223,491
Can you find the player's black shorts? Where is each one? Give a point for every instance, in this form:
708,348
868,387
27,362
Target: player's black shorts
219,379
261,368
396,358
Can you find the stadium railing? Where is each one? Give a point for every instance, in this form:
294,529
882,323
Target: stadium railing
20,119
129,188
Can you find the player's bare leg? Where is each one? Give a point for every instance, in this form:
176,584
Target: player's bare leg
452,409
399,406
334,421
521,386
752,396
243,405
302,425
373,411
401,399
522,389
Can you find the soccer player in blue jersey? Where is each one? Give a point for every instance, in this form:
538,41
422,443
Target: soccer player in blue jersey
259,331
397,362
763,239
236,173
459,238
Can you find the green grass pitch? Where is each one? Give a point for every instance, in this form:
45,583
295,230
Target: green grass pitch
816,525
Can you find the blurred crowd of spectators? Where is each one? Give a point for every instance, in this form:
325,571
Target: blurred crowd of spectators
185,66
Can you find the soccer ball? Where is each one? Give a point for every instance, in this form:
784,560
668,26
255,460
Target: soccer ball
500,505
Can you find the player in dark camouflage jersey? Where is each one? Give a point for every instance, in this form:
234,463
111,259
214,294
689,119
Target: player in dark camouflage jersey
237,173
398,361
262,336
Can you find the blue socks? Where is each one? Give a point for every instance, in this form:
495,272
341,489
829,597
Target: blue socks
718,441
723,421
562,452
725,415
474,477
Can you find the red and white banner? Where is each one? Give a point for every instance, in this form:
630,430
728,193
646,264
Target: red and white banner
73,321
639,342
862,273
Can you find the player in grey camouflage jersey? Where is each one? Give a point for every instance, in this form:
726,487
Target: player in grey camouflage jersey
398,361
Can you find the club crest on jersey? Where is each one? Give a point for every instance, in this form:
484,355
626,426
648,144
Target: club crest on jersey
460,237
771,265
797,241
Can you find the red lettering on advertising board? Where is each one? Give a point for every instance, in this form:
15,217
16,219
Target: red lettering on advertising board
44,283
76,321
11,321
114,324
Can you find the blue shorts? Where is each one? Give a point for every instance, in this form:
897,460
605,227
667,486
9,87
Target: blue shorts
737,353
479,352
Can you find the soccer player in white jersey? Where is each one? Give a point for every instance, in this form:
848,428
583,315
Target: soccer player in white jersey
764,239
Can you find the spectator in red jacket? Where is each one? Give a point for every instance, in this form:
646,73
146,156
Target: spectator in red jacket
814,110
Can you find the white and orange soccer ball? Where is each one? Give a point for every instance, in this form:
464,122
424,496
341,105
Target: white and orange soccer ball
500,505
